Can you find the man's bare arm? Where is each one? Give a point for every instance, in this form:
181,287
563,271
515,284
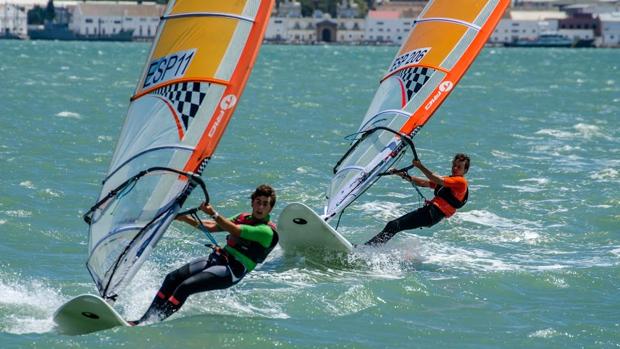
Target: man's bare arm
430,175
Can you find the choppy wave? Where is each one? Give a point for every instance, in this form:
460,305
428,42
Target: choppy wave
605,174
27,185
581,131
69,114
27,304
535,250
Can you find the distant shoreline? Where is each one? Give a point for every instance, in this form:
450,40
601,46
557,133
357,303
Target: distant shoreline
321,43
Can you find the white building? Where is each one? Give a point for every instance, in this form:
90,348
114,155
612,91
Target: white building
300,30
610,29
107,18
289,8
387,27
537,5
13,21
315,29
277,29
526,25
577,34
347,9
351,30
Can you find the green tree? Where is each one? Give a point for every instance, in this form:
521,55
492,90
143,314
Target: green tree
50,12
36,15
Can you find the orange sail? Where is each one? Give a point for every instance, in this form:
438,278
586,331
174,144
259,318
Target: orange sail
192,81
443,42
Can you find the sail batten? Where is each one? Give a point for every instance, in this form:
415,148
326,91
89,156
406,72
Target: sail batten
448,20
178,81
208,14
191,84
414,65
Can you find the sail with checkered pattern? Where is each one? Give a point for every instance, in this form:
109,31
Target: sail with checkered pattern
443,42
192,81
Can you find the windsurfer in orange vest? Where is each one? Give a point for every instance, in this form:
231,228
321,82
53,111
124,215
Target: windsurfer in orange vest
451,193
252,236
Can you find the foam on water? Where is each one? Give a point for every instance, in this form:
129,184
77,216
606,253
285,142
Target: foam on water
27,305
490,219
470,259
605,174
523,188
18,213
545,333
53,193
382,210
68,114
27,185
353,300
581,131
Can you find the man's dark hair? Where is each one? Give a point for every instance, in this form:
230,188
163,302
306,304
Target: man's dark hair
462,157
265,190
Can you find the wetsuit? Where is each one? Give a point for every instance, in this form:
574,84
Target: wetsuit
221,269
448,198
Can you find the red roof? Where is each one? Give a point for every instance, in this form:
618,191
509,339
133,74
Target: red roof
384,14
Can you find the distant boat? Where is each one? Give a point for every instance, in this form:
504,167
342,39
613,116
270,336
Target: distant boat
551,40
61,31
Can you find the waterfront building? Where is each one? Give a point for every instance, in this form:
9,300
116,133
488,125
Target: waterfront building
536,5
109,18
554,5
301,30
610,29
319,28
407,9
13,21
595,8
387,27
351,30
289,8
347,9
277,30
580,26
525,25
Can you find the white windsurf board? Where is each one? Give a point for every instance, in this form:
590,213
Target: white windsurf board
86,313
300,228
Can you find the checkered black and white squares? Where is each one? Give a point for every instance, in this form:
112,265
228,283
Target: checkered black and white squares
186,97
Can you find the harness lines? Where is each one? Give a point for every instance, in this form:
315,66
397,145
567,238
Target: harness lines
446,194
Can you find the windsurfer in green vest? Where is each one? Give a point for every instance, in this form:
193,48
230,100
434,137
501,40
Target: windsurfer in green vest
451,193
251,238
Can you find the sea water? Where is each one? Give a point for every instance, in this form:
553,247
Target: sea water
532,261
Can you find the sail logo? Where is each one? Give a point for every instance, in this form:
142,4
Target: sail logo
444,87
172,66
411,57
227,102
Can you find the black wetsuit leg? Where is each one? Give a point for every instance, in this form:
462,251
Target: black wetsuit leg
202,274
425,216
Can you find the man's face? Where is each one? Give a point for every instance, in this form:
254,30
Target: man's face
458,167
261,207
